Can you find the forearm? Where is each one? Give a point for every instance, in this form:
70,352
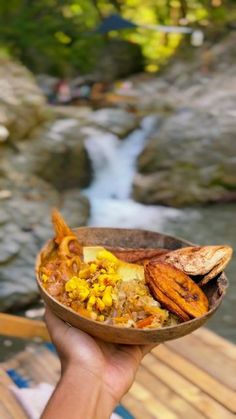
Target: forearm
79,395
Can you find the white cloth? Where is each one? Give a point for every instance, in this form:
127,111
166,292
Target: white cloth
34,400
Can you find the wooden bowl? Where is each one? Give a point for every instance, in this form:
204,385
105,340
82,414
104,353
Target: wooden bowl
115,237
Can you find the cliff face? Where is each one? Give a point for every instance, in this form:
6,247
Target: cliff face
22,105
191,159
35,152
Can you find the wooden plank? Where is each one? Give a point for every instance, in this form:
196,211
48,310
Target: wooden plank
11,405
4,378
208,359
166,395
51,370
36,363
216,342
153,406
21,327
136,407
204,381
185,389
4,412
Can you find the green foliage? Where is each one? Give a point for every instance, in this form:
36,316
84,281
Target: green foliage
57,36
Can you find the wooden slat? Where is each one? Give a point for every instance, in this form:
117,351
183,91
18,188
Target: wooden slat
21,327
37,366
4,378
153,406
50,364
186,390
4,412
200,378
10,404
37,363
213,362
136,407
166,395
216,342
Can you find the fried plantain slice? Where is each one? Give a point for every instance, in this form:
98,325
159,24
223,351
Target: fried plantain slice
165,301
175,290
200,260
138,256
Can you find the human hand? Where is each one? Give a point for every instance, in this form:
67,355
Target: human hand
111,366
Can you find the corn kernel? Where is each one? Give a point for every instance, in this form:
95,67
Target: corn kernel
44,278
84,273
101,318
71,284
104,254
83,294
96,289
107,299
92,300
93,268
100,304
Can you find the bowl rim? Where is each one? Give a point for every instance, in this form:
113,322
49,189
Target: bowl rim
130,329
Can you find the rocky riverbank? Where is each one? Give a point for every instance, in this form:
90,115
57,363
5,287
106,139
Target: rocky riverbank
188,159
191,159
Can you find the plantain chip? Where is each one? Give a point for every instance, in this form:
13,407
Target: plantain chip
175,290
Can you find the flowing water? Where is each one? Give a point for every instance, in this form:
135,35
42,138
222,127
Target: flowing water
114,166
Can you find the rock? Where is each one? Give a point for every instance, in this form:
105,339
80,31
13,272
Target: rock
56,153
189,161
118,58
117,121
25,225
4,134
22,105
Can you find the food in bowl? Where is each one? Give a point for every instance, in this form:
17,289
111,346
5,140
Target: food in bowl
94,282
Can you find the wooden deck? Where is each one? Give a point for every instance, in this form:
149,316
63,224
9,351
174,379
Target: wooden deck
193,377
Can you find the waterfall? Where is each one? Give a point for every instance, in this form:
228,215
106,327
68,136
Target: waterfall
114,165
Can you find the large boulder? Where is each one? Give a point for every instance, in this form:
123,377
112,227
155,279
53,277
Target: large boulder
56,153
190,160
22,104
117,121
25,226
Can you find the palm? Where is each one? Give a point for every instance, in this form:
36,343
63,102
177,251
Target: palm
115,365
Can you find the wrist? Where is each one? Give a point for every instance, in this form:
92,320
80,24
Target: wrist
93,398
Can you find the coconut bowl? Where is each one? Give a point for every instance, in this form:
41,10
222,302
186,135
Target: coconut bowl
114,237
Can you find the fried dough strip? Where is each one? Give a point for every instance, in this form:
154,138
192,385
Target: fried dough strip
61,228
65,237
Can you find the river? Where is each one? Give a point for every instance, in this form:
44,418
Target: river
114,165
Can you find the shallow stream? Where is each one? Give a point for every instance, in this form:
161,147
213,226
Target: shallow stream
114,165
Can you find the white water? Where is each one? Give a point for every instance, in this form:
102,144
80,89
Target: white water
114,166
114,163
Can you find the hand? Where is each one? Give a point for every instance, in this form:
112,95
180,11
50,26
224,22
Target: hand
113,366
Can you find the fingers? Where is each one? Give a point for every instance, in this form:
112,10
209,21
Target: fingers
54,324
